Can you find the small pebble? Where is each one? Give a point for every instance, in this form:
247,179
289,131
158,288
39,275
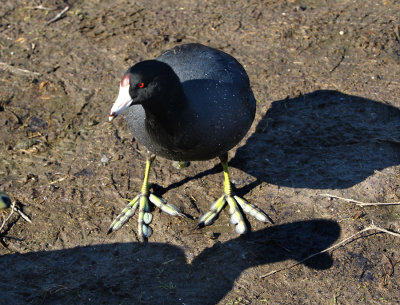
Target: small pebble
104,159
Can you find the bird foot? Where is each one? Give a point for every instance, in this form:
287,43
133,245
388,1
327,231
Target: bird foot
236,215
141,201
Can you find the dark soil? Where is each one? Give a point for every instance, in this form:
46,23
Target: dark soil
326,78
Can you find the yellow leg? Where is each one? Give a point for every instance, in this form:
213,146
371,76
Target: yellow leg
141,201
227,181
234,202
145,185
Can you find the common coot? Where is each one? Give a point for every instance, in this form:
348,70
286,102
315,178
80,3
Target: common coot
191,103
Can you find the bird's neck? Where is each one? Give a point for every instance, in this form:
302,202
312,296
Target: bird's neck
162,116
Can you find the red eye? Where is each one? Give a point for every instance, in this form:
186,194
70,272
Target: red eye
140,85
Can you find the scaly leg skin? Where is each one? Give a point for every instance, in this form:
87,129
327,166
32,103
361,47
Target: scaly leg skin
234,202
141,201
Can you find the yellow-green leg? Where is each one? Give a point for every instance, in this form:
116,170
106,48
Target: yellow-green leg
141,201
234,202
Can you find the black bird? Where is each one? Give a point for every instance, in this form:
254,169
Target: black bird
191,103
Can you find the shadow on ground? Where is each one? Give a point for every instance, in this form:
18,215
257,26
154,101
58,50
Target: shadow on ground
325,139
156,273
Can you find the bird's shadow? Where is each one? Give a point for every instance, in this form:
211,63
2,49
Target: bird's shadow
156,273
322,140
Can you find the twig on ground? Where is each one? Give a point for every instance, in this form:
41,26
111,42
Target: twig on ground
371,227
14,208
8,217
15,70
391,265
58,180
397,32
360,203
393,140
23,215
58,16
39,7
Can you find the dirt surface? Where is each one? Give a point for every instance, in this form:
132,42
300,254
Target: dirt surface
326,77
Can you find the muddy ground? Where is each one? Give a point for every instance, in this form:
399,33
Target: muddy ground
326,77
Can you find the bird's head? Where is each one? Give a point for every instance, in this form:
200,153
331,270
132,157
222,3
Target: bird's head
146,83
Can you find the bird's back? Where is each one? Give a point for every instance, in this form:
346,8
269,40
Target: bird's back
195,61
